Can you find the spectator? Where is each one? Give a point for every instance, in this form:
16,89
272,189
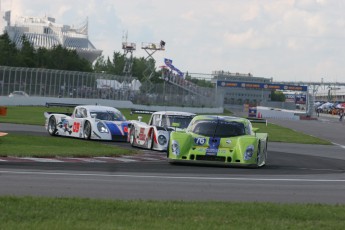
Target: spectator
341,114
318,112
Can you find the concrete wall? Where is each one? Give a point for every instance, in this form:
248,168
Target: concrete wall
41,101
267,112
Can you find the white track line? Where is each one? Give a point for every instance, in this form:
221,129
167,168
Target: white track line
174,177
341,146
41,159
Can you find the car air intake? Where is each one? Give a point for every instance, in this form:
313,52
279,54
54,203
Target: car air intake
211,158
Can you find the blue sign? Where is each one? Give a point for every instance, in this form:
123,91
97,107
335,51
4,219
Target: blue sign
254,85
252,112
301,99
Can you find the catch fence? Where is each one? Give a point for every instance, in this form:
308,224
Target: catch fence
73,84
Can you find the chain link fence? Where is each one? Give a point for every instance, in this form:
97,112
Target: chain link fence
73,84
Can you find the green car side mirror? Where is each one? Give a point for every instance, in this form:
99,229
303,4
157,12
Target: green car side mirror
175,125
256,129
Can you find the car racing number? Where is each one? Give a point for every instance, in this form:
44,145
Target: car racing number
200,140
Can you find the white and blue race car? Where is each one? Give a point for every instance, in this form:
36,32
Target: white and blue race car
89,122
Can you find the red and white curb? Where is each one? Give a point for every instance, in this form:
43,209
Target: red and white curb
119,159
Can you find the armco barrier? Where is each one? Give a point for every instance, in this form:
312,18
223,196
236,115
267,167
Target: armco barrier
267,112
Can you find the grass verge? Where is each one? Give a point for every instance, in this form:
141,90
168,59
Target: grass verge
278,133
41,146
77,213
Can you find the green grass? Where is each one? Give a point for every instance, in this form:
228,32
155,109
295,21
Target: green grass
75,213
278,133
41,146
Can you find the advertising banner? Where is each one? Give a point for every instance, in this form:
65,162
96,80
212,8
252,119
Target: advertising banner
301,99
268,86
290,98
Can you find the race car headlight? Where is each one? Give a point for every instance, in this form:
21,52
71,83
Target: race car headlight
162,140
102,128
175,148
249,152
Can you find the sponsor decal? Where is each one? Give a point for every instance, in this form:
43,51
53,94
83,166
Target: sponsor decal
175,148
213,146
76,127
142,135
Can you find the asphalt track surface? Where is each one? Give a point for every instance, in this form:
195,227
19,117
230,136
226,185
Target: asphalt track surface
294,173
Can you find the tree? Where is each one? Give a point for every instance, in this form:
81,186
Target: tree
277,96
8,51
27,54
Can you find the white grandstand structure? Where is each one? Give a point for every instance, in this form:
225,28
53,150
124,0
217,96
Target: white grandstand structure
45,32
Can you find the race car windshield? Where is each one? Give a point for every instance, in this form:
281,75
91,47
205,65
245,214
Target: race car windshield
183,121
218,128
109,116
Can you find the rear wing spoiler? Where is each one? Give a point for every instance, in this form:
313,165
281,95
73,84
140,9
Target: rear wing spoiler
257,120
141,111
50,104
47,114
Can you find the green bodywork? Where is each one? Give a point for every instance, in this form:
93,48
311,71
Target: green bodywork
187,146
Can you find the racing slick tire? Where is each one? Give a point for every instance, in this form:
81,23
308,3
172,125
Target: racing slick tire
87,130
258,155
168,152
52,126
132,137
264,155
149,142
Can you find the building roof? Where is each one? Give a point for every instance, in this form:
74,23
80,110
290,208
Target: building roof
45,32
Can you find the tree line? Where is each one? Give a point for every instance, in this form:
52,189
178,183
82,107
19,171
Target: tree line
61,58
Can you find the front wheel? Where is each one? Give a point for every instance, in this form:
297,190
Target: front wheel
258,156
132,136
168,152
150,140
261,156
87,130
52,126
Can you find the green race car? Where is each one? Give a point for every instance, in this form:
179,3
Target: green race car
224,140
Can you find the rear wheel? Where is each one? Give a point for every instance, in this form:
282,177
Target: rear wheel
52,126
132,136
87,130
